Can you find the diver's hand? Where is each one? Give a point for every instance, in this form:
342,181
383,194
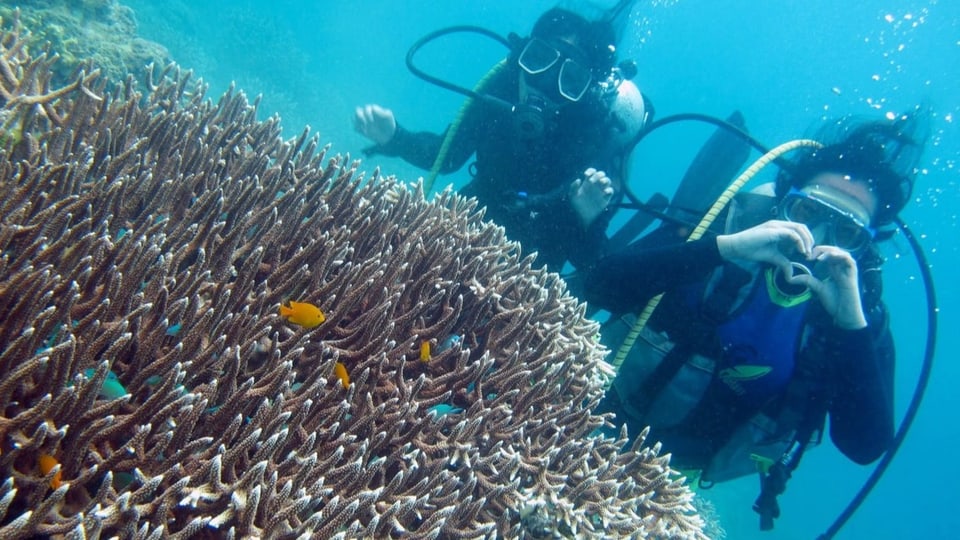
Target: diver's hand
839,290
590,195
773,242
375,123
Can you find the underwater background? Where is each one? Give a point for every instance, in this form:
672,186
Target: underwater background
785,65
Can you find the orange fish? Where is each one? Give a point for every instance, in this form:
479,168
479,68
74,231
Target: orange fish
47,463
302,313
340,371
424,351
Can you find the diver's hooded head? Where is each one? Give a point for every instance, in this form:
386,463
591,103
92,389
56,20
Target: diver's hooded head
565,67
592,43
561,65
885,155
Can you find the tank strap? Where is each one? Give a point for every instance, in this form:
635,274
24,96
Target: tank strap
719,303
699,335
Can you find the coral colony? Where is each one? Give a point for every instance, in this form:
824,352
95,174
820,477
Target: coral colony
151,389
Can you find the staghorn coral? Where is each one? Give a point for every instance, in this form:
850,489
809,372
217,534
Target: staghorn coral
152,238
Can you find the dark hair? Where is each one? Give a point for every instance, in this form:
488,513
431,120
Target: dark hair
597,40
884,154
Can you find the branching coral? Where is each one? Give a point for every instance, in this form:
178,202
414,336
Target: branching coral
147,243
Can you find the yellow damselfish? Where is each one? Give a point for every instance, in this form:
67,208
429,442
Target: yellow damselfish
302,313
47,463
340,371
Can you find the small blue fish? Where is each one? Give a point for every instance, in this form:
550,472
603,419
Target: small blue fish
111,389
452,341
444,409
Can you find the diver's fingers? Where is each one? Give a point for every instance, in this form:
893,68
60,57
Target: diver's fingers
781,261
378,112
808,241
799,235
827,252
371,112
840,263
364,117
806,280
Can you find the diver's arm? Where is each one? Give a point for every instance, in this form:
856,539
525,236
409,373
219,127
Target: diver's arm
421,149
861,413
626,280
587,246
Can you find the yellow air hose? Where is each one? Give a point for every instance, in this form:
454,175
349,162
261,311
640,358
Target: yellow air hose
455,126
698,232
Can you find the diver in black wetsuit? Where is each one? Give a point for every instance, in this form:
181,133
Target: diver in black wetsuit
766,330
550,169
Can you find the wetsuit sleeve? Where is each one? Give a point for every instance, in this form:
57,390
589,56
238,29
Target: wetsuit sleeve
421,148
861,411
560,225
586,246
624,281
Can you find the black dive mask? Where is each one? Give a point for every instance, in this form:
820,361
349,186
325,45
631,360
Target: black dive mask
552,73
550,81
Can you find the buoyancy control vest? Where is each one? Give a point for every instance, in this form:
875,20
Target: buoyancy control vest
711,374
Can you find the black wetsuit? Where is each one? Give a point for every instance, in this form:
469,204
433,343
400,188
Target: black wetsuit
855,367
522,181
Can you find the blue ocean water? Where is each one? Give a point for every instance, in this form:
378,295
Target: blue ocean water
785,65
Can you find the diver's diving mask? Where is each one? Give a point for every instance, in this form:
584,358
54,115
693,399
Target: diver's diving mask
538,57
844,222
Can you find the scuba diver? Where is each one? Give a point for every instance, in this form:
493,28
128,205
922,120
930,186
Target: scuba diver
551,136
772,325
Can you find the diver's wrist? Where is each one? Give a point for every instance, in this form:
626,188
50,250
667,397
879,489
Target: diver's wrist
850,321
725,247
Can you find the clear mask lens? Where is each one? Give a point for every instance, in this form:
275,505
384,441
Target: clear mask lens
841,228
537,57
574,80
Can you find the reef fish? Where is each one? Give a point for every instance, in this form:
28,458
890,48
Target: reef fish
452,341
424,351
112,388
47,463
340,371
443,409
302,313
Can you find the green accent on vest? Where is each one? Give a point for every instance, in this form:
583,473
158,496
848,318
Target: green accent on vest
780,298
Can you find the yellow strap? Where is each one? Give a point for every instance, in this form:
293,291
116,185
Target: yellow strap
763,463
455,127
